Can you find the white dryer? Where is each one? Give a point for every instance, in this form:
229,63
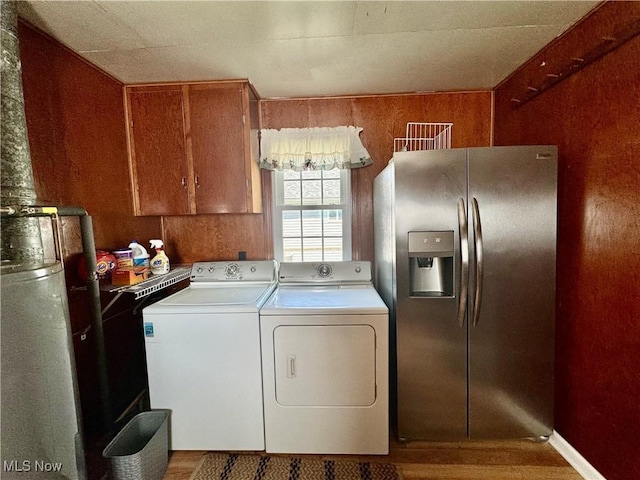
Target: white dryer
325,361
203,356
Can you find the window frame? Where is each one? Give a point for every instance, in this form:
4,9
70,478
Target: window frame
277,183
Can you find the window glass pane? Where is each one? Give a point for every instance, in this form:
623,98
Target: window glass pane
311,174
307,230
332,223
292,193
331,192
291,175
311,223
291,226
333,173
312,249
292,249
333,249
311,192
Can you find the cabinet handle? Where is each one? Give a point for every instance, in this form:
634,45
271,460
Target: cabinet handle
184,182
197,181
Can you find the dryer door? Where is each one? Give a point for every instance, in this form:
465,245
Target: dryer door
325,365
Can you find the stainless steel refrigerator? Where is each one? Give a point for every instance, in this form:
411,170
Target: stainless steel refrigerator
465,254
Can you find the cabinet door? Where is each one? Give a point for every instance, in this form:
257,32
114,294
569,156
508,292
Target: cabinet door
220,155
158,154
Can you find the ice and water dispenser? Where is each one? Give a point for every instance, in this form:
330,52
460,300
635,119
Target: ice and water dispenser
431,264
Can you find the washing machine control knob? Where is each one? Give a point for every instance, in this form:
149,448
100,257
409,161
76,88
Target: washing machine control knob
324,270
232,270
358,269
199,269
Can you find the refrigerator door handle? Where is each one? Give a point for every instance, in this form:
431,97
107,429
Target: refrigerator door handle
479,270
464,267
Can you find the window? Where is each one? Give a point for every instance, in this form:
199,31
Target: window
312,215
312,201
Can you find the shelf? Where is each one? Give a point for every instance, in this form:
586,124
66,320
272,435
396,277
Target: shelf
153,284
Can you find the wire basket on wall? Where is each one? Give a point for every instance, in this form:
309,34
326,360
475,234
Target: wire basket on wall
424,136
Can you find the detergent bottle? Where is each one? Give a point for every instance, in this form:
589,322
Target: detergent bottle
159,263
140,255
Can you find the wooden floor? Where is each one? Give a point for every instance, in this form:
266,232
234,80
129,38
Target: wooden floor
472,460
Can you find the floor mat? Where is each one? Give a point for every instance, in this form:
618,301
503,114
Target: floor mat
223,466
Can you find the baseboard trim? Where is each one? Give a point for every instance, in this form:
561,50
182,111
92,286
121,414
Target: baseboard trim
571,455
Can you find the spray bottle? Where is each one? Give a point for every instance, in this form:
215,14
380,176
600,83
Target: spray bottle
159,263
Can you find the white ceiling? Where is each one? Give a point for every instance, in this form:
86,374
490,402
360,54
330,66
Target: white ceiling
308,48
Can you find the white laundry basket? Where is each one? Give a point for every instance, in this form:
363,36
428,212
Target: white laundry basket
141,450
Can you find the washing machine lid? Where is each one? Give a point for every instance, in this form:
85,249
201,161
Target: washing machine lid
215,299
321,300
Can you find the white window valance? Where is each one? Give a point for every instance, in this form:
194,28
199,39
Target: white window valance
320,148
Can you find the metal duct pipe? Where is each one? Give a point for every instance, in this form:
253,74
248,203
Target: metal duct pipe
21,237
93,289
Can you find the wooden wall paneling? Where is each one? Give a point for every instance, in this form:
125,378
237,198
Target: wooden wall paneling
215,237
593,117
380,119
158,147
330,112
285,113
77,137
113,232
383,118
44,118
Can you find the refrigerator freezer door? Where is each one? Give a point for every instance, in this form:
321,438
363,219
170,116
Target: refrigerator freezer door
511,346
431,346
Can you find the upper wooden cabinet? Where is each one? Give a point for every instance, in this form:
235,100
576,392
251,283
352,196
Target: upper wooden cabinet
158,155
193,148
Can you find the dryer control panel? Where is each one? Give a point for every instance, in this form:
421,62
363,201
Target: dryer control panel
234,271
325,272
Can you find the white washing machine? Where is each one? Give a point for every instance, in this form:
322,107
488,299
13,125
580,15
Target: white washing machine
325,361
203,356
